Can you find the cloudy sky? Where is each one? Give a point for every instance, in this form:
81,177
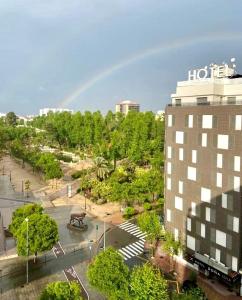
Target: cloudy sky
90,54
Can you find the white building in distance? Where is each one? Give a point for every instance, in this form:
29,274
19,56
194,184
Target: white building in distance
126,106
45,111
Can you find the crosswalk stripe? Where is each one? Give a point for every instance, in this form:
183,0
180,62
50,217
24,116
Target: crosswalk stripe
140,247
135,248
126,226
140,242
142,235
132,250
126,252
135,231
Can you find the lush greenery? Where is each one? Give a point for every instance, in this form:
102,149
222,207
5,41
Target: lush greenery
61,290
109,275
42,230
195,293
149,222
170,245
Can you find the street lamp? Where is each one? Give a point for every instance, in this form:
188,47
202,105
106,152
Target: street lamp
104,231
90,248
27,245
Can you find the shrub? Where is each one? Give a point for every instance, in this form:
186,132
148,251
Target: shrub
63,157
129,212
147,206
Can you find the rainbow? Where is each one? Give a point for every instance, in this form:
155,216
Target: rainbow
176,44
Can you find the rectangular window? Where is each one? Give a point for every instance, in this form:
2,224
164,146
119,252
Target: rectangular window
234,263
238,122
176,234
220,238
178,203
207,121
217,255
193,209
223,141
219,180
190,121
194,156
203,229
205,194
202,101
180,187
219,160
178,102
191,242
181,153
231,100
169,168
208,214
236,224
204,139
236,184
189,224
179,137
191,173
170,121
224,200
168,215
237,163
168,183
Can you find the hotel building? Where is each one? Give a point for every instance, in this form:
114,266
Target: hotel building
203,169
126,106
45,111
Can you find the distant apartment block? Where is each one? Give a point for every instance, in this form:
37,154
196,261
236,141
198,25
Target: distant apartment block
45,111
203,169
126,106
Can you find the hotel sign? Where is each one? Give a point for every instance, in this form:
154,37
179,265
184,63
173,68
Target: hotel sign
213,71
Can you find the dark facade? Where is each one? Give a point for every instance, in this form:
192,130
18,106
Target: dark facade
203,176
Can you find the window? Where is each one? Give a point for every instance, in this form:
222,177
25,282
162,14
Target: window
190,121
208,214
223,141
168,183
238,122
219,180
207,121
202,101
168,215
219,160
191,173
220,238
169,151
231,100
178,102
169,168
170,121
179,137
205,194
236,224
180,187
193,209
237,163
203,229
189,224
234,263
191,242
236,184
224,200
178,203
204,139
194,156
176,234
181,154
217,255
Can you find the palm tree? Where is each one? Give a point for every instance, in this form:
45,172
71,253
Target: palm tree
101,168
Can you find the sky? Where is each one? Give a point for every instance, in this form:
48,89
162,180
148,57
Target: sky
91,54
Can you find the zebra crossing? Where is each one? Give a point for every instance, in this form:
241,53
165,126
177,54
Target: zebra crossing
133,229
132,250
136,248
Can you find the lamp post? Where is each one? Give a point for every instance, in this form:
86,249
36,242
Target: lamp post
27,245
104,231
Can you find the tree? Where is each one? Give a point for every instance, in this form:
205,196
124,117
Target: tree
21,213
109,275
146,283
42,235
27,185
61,290
11,119
170,245
149,222
48,163
101,168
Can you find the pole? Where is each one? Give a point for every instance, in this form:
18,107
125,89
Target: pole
104,235
22,186
85,202
10,176
27,244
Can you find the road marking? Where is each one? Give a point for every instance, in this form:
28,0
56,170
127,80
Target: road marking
125,227
125,254
134,247
133,250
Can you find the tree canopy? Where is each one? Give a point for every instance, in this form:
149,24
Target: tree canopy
149,222
61,290
108,274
